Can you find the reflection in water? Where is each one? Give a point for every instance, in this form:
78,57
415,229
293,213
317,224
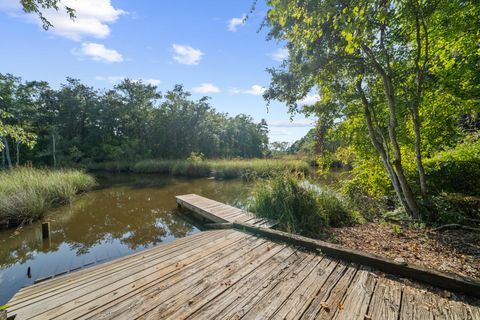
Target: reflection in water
127,213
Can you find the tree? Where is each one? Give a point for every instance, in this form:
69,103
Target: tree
78,124
13,105
37,6
280,147
371,55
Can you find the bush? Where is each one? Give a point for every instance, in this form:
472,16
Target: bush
299,206
448,208
369,189
455,170
25,194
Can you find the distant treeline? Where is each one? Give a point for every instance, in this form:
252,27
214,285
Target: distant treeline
80,124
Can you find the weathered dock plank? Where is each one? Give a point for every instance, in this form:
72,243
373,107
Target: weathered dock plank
232,274
225,274
218,212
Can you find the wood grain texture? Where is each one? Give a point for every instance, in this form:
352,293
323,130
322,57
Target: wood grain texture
230,274
218,212
432,277
386,300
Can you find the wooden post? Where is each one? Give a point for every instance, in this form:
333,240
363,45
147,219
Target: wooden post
45,230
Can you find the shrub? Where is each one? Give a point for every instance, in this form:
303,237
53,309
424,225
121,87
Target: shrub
456,169
447,208
299,206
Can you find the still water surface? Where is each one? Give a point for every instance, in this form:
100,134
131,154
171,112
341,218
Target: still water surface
125,214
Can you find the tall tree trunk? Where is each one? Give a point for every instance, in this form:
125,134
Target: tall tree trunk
397,161
3,158
321,130
418,153
384,157
420,71
412,207
7,152
18,154
54,151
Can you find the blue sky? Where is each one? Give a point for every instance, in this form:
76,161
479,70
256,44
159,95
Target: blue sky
203,45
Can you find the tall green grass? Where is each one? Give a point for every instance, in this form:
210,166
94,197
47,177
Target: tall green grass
221,169
301,207
26,194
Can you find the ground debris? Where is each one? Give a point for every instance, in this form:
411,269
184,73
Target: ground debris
452,251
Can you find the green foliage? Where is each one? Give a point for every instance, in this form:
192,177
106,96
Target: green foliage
299,206
221,169
456,169
305,145
78,125
26,194
15,101
447,208
112,166
400,79
191,169
256,168
324,162
38,7
196,157
370,178
396,229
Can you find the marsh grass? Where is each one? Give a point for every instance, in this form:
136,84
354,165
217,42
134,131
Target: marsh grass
111,166
301,207
220,169
26,194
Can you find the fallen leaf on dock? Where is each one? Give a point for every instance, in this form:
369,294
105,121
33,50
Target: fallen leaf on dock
325,306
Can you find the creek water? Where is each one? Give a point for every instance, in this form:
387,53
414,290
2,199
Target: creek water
124,214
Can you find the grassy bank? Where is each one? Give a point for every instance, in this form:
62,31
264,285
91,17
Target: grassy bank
301,207
222,169
26,194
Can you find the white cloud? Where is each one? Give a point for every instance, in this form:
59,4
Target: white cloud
92,17
186,54
278,132
309,100
98,52
153,82
234,23
205,88
111,79
291,124
280,54
116,79
255,90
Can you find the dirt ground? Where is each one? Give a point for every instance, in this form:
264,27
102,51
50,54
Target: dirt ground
451,251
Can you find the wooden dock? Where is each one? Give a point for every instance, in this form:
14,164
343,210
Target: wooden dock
233,274
214,211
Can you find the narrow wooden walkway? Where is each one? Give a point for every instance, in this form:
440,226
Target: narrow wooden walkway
215,211
230,274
